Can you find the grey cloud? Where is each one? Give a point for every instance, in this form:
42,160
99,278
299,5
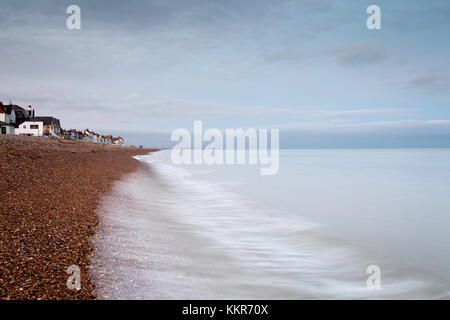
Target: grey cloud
425,78
432,80
173,48
394,134
169,107
140,15
399,126
181,108
359,54
284,55
362,112
114,109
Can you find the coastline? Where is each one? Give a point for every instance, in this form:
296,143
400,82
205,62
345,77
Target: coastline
50,191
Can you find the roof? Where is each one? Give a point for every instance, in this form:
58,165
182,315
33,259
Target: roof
6,109
17,108
11,107
21,113
46,120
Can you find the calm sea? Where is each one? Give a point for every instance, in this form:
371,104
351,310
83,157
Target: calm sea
311,231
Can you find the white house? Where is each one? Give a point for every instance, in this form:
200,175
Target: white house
51,125
7,119
31,128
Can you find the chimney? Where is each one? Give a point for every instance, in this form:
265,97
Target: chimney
30,112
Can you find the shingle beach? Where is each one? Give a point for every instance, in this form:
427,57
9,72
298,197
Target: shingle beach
49,192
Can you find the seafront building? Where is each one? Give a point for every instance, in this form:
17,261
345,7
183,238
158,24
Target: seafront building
30,128
50,127
16,120
11,116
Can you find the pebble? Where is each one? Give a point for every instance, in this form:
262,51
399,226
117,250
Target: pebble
49,191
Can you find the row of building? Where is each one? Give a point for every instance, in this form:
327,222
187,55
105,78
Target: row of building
91,136
20,121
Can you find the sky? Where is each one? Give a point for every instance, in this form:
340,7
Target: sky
311,68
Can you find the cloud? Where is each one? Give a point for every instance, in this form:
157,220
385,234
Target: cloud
424,79
362,112
284,55
408,127
180,108
139,112
170,107
389,134
431,80
231,62
386,134
359,54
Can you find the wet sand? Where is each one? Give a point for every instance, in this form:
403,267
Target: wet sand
49,192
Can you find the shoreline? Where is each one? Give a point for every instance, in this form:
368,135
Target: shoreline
50,191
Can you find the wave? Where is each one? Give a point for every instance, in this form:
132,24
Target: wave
168,234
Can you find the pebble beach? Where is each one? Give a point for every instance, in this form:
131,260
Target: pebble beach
49,192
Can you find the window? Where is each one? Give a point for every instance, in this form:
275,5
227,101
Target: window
24,126
34,126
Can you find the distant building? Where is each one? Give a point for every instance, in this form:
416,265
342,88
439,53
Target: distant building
91,136
117,141
107,139
70,134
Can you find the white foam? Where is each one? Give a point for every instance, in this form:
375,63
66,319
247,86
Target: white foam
188,237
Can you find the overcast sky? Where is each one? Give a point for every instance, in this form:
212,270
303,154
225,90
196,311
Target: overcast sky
308,67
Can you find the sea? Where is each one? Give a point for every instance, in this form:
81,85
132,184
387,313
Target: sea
332,224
